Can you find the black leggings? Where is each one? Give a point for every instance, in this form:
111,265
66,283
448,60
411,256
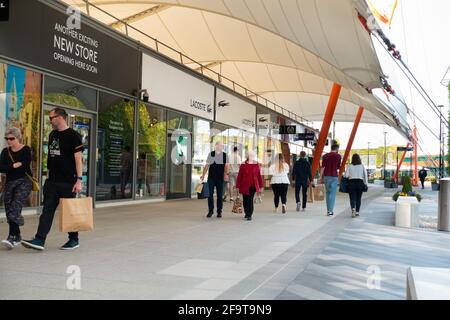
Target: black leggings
280,190
355,191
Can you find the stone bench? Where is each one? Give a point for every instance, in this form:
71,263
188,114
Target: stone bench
427,284
407,212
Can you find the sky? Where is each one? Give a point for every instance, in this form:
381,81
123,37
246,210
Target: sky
420,30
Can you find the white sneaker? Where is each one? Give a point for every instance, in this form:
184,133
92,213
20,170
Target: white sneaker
353,213
275,210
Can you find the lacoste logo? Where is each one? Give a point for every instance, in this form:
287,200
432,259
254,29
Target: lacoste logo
263,119
223,103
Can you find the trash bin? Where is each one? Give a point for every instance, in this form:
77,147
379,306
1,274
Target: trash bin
444,205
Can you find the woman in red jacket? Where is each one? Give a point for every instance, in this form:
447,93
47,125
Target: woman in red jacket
249,182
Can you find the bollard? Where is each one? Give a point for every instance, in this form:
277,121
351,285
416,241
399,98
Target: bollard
444,205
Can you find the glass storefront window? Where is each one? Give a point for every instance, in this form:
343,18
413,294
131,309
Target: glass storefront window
151,163
20,106
249,142
235,139
202,147
114,148
179,153
65,93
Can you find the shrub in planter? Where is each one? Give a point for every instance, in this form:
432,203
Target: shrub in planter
408,194
407,191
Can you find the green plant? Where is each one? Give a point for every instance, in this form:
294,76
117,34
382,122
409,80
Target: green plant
407,186
407,194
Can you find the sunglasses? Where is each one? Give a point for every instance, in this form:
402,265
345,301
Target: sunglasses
10,138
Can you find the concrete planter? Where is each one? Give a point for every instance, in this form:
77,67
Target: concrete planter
407,212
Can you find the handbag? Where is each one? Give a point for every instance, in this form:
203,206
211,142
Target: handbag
343,186
76,214
204,194
365,188
34,182
237,206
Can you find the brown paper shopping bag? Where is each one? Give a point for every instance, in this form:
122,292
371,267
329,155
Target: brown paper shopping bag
76,215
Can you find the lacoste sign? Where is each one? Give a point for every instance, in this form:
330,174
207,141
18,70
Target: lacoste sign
4,10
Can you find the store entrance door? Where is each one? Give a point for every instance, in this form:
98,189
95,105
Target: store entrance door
178,165
81,122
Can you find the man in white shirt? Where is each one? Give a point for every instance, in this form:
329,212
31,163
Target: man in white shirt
235,163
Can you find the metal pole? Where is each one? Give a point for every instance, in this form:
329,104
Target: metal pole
384,160
368,156
398,169
440,143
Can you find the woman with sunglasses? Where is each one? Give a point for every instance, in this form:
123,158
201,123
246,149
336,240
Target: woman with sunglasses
15,161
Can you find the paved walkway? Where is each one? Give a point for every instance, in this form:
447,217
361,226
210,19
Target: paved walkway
170,250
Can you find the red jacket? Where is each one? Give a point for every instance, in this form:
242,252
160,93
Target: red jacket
249,176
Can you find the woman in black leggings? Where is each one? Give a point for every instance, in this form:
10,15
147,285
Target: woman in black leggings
357,183
280,181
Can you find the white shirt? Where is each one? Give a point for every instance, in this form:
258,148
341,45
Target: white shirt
235,162
279,177
356,172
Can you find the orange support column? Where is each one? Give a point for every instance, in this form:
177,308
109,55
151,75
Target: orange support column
350,141
400,163
334,96
416,172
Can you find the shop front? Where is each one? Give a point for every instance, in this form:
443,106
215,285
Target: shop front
43,65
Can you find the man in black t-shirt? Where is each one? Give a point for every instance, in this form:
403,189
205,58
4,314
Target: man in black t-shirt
217,164
64,175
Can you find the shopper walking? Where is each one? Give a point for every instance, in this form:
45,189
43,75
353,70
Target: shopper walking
302,176
357,183
15,161
217,165
280,181
422,176
329,175
64,175
249,182
235,163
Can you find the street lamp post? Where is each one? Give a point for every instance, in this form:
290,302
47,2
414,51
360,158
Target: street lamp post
440,143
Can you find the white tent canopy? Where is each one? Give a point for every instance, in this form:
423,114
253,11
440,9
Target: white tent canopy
288,51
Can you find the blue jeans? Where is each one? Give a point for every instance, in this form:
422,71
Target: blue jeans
331,188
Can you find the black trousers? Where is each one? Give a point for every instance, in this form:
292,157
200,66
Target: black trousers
304,187
53,191
280,191
219,187
422,181
248,202
355,190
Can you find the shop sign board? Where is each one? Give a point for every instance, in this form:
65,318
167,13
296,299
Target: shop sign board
236,112
39,35
176,89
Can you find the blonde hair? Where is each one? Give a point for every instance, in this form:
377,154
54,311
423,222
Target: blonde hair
280,162
14,132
